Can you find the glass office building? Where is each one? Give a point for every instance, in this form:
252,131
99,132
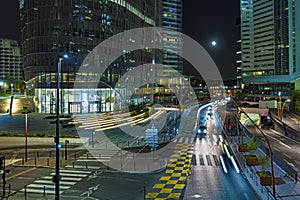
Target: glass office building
51,28
270,44
172,20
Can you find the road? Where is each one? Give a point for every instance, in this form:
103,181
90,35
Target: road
283,146
207,179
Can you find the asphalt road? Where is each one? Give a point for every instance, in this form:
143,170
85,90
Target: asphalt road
284,147
207,179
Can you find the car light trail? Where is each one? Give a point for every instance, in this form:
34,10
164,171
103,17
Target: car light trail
235,165
226,151
223,164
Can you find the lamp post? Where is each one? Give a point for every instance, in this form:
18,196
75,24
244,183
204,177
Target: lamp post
93,133
11,88
56,177
281,108
26,132
66,149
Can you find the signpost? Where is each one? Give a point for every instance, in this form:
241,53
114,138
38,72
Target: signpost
152,137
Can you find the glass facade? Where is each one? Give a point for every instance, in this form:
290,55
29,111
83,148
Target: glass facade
269,44
51,28
172,20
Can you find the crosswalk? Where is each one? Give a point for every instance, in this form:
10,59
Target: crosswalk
184,139
103,156
205,160
44,184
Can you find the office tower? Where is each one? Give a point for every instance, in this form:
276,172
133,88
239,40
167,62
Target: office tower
270,47
10,60
50,29
172,20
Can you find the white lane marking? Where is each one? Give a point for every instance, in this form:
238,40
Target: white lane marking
287,146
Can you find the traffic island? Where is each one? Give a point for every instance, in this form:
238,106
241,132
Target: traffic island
172,183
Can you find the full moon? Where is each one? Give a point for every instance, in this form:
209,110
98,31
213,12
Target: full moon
213,43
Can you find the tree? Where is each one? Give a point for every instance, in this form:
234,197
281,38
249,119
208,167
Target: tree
263,161
295,97
252,145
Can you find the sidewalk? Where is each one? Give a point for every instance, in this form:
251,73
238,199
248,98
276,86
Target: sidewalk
286,188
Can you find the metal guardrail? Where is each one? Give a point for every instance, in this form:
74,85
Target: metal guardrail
286,129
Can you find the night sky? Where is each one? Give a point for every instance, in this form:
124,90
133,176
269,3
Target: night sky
204,21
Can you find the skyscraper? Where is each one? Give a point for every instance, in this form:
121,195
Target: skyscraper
52,28
270,47
10,60
172,20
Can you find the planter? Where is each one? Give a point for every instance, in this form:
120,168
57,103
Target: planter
251,160
265,178
243,148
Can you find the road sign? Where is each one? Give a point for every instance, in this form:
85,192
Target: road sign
152,137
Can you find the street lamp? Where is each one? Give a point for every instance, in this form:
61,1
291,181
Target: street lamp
56,177
11,88
281,107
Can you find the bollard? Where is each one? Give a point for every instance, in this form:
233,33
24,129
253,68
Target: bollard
87,156
44,191
86,165
50,154
22,161
73,164
48,162
75,156
8,188
37,154
35,161
25,191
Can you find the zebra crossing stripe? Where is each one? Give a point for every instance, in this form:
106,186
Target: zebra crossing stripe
70,175
47,186
63,178
40,191
180,140
74,171
186,140
98,160
50,182
82,167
